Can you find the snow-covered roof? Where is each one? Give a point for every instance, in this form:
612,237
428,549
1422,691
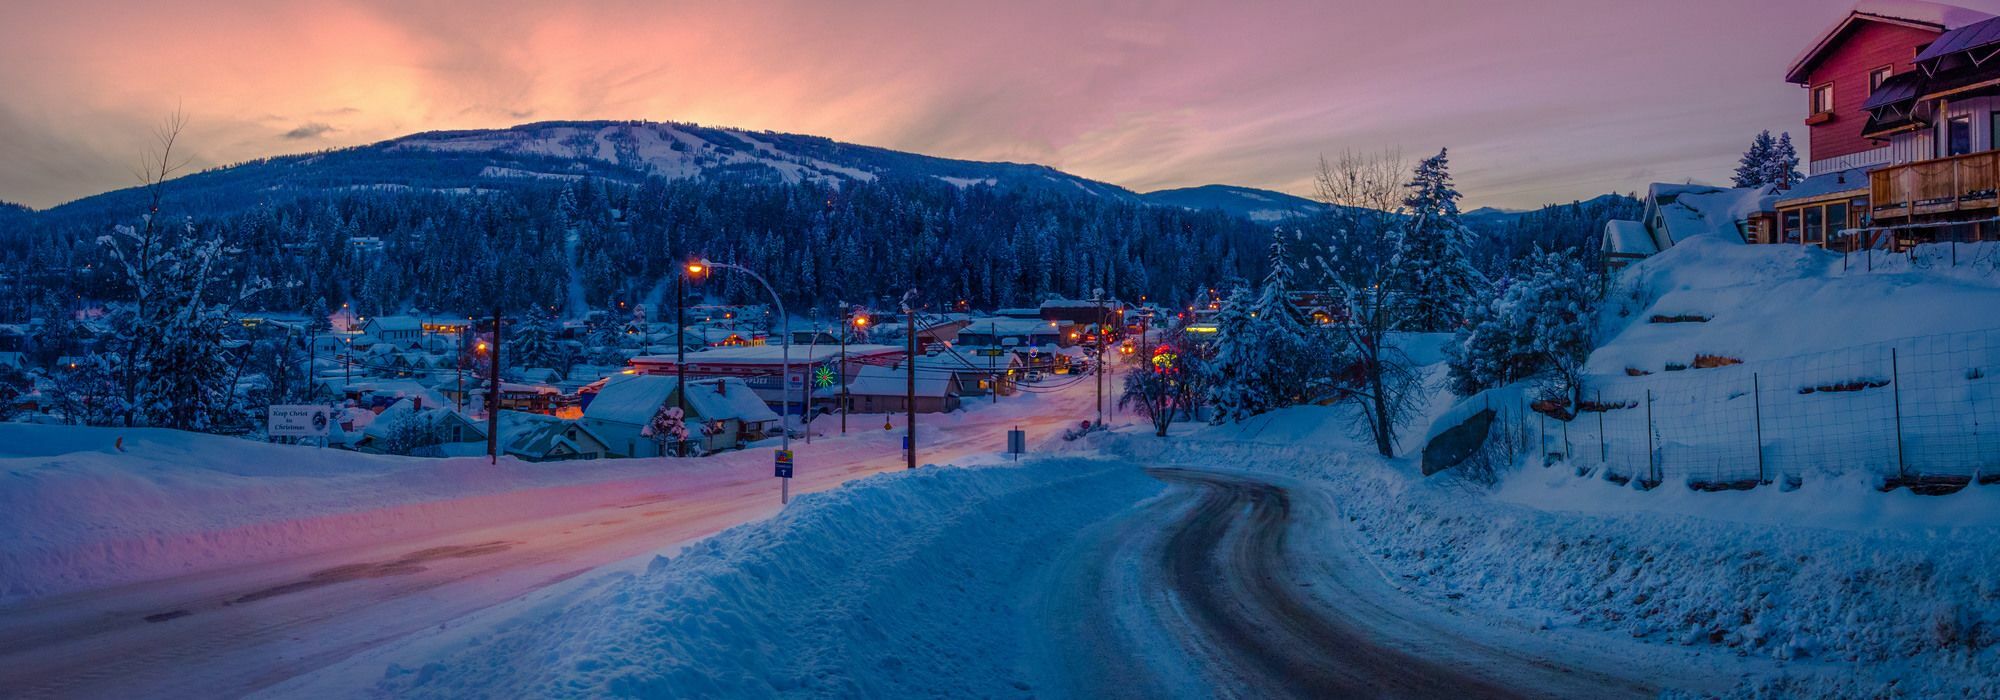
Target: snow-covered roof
398,388
772,354
1628,237
535,435
1923,14
395,323
875,380
1723,208
630,398
1012,326
1825,184
728,397
1677,212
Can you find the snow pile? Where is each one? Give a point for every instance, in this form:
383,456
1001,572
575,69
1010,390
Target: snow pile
1832,573
895,585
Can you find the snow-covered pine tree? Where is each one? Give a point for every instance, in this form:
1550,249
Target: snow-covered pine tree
179,372
534,345
1287,344
1434,251
1239,362
1540,324
1782,167
1750,171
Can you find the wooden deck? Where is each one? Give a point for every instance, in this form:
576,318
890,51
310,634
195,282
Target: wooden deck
1940,186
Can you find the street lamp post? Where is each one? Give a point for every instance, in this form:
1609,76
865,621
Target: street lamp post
680,347
700,268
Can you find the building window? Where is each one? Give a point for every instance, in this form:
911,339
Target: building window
1788,226
1958,135
1878,76
1859,206
1836,218
1822,99
1815,228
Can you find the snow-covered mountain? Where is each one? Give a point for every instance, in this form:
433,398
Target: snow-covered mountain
631,152
1262,206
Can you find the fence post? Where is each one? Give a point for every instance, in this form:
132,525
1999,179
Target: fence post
1757,410
1565,424
1603,450
1652,465
1896,384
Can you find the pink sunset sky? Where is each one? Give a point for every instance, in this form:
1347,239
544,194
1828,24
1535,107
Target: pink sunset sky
1540,101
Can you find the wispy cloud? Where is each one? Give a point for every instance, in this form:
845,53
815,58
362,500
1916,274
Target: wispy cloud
309,130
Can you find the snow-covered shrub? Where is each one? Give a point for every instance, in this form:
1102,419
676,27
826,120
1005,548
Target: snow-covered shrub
1539,324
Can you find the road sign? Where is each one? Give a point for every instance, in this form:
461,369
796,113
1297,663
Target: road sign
783,464
991,352
300,421
1017,442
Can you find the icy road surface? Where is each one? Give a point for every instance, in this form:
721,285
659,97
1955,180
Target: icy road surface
1201,592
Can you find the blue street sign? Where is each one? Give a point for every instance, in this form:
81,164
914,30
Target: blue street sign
783,464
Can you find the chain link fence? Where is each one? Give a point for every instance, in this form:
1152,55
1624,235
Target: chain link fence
1922,411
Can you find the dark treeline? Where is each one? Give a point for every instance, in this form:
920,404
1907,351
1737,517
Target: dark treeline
513,248
1575,227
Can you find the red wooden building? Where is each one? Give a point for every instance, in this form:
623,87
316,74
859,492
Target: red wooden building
1902,98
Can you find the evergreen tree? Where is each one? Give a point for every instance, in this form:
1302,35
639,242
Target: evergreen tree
1781,169
534,344
1287,344
1239,361
1751,170
1541,324
1434,251
177,369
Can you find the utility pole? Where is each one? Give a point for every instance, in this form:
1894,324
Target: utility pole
993,374
1097,295
846,322
493,395
910,397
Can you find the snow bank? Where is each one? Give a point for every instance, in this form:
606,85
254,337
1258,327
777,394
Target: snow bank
895,585
1765,302
1847,589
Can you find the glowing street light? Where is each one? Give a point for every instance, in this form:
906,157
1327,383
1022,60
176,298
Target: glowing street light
699,267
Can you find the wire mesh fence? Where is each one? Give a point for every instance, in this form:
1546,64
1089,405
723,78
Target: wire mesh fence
1922,410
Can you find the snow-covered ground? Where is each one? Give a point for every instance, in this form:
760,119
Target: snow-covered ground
1846,590
928,582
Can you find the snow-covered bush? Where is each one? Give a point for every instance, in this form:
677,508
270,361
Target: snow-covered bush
1539,324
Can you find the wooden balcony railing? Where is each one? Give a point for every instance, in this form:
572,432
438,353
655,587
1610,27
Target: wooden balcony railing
1944,185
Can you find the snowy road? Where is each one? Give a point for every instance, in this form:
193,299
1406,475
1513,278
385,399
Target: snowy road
1207,590
219,633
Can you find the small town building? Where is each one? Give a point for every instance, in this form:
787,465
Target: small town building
539,438
721,413
759,367
879,389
